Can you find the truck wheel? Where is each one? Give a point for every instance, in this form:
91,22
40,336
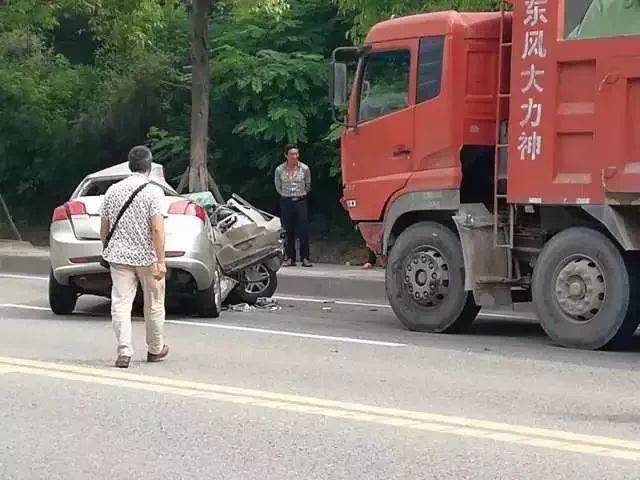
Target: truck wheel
254,282
425,280
582,291
62,298
209,301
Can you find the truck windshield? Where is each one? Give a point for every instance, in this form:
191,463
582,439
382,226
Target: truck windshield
601,18
385,84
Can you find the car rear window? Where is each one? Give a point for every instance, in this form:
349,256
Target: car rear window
96,188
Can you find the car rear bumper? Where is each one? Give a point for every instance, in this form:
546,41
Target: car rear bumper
71,258
196,268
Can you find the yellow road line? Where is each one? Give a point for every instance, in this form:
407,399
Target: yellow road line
407,419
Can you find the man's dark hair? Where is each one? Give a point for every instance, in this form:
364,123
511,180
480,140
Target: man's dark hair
289,147
140,159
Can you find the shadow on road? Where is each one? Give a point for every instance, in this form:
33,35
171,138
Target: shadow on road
507,328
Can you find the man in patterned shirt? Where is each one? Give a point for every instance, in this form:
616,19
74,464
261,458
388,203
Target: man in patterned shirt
293,183
136,253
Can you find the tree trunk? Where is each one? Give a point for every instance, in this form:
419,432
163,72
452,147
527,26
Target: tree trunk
198,170
198,176
12,224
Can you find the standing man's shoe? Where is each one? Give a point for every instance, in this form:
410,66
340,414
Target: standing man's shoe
157,357
123,361
307,263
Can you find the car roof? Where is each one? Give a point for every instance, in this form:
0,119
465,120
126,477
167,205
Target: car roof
122,170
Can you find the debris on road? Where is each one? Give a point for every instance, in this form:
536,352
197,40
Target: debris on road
242,307
227,284
268,304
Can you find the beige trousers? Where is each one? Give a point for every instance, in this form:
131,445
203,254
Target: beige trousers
125,284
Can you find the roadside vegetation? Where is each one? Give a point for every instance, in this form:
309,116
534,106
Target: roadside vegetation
81,81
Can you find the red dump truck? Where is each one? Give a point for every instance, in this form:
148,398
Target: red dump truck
494,158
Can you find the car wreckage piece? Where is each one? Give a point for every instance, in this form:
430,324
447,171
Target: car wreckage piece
248,243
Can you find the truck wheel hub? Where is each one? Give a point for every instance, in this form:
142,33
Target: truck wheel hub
426,276
580,288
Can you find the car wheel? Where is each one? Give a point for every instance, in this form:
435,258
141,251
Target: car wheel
62,298
584,291
254,282
209,301
425,280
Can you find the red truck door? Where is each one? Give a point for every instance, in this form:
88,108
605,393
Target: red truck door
377,154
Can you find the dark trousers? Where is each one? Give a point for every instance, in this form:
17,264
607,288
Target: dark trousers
296,223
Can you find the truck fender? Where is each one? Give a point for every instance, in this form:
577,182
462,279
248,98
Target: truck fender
424,201
486,266
623,223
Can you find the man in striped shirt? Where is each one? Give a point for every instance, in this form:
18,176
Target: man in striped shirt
293,183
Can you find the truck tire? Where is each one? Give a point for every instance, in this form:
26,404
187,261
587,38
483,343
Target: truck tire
262,282
582,291
209,301
425,280
62,298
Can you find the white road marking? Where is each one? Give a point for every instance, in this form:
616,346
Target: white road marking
25,307
242,329
330,301
508,315
24,277
406,419
288,334
327,301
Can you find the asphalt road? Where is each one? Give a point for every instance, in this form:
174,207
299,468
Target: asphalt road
312,391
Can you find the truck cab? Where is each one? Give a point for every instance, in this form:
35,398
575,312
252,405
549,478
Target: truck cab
484,143
424,88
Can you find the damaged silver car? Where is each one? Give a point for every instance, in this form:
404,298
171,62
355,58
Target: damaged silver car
248,244
214,253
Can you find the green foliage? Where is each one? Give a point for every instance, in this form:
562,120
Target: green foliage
81,81
42,99
30,14
270,79
61,120
268,88
130,29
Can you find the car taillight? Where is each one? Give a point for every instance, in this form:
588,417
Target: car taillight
185,207
79,260
76,208
69,209
59,214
